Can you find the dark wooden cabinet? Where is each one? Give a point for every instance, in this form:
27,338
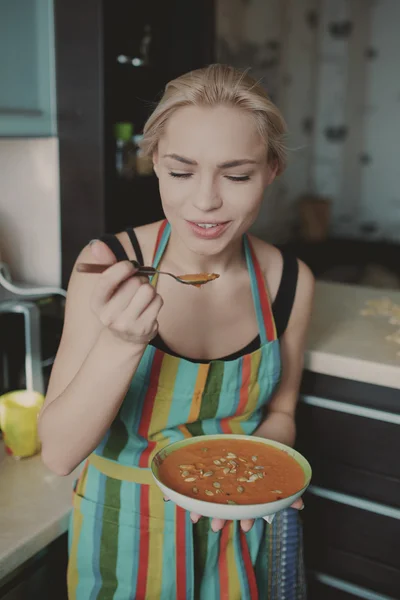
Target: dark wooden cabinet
350,432
43,576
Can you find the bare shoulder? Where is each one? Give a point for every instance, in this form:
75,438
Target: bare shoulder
146,235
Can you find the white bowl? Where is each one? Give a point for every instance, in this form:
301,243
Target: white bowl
230,512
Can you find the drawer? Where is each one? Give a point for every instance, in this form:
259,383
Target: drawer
353,539
352,449
350,567
353,392
325,587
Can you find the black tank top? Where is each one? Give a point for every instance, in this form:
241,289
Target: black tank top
281,306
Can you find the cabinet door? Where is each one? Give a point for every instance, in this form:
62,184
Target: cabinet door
27,78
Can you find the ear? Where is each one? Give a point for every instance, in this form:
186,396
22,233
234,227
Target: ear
272,172
155,161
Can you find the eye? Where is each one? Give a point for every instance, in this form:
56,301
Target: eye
240,178
180,175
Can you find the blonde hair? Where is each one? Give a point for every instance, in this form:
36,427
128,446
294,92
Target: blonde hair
212,86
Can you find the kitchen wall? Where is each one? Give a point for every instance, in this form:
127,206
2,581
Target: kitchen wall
29,210
332,68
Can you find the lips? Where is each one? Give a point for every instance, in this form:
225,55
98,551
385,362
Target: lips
208,230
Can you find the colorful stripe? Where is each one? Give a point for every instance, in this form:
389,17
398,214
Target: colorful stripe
251,582
162,238
209,408
148,408
180,562
224,562
262,301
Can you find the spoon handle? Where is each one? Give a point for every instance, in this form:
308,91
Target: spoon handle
97,268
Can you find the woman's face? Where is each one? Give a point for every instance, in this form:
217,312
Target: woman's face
212,169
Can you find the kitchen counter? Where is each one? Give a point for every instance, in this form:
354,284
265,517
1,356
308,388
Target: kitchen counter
34,508
35,504
343,342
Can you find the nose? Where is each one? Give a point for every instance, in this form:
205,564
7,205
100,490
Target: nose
207,196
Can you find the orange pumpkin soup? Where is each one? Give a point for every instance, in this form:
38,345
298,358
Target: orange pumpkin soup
232,472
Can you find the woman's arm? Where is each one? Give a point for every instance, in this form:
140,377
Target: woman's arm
109,320
279,424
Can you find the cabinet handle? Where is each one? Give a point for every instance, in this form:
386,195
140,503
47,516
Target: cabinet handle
351,409
349,588
368,505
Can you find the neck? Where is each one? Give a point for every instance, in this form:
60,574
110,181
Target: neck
188,261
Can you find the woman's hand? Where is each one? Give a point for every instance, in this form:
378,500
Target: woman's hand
245,524
128,306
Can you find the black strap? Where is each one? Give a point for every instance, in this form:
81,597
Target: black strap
115,246
135,244
283,303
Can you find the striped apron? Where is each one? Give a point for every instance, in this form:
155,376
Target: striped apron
125,542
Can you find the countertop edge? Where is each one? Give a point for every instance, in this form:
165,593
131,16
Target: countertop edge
356,369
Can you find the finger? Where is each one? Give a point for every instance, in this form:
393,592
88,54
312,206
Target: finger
246,524
146,303
109,282
166,499
121,299
148,318
217,524
194,517
102,253
298,504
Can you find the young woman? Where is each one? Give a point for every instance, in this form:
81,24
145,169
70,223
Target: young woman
141,364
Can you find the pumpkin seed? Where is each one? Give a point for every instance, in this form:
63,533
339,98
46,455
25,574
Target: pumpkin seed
216,484
253,478
243,459
195,490
254,458
233,463
208,473
277,491
216,462
185,474
218,492
260,475
190,479
242,478
226,471
240,489
233,471
258,467
186,466
231,455
230,502
209,493
222,460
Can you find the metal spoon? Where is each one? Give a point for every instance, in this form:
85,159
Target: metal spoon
196,279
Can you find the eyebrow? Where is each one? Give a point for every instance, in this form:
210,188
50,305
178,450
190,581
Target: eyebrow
225,165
